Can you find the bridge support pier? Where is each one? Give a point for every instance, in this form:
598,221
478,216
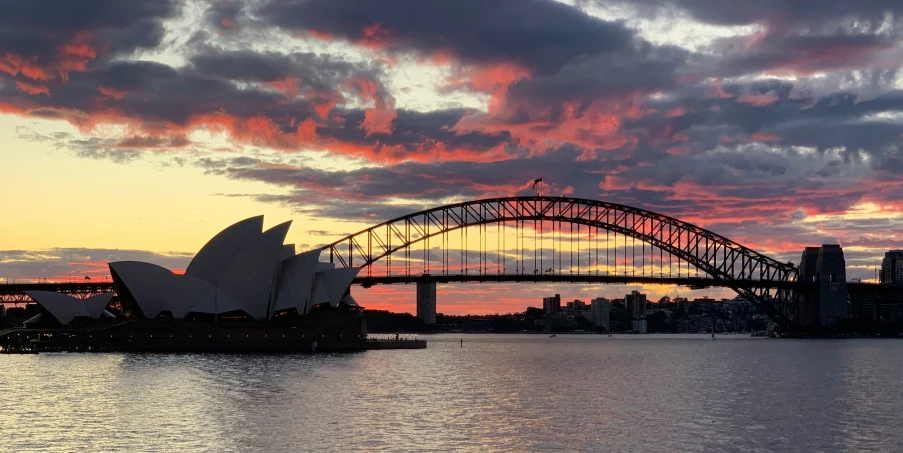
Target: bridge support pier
824,300
426,301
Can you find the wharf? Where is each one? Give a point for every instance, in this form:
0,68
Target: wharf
394,344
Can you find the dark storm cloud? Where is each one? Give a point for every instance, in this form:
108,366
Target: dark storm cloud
641,68
148,91
414,130
775,111
735,179
542,35
319,72
37,28
741,13
224,14
77,262
289,90
429,182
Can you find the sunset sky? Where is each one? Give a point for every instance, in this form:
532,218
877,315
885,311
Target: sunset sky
136,130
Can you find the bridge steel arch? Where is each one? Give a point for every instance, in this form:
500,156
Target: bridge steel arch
760,279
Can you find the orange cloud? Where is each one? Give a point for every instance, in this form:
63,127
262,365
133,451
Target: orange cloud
493,80
14,65
76,53
319,34
290,87
32,88
758,100
374,36
679,111
716,90
764,137
678,150
379,118
112,93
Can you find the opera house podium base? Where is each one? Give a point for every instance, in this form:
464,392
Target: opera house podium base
326,329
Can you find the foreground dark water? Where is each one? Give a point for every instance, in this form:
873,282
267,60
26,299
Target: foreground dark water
498,393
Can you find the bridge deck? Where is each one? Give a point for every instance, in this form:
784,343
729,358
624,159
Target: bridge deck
892,292
691,282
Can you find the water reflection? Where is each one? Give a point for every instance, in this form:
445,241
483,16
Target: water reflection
497,393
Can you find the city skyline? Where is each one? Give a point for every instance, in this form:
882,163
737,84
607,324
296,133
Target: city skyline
136,130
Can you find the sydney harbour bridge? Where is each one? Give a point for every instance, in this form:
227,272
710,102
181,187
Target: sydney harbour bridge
546,239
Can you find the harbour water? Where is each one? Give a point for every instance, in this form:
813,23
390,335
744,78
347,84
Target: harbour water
496,393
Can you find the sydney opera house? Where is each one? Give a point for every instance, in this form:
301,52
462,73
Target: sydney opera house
244,290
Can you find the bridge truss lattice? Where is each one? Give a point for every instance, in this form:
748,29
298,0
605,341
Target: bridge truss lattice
562,239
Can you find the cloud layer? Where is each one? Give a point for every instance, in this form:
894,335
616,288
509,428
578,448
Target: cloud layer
776,130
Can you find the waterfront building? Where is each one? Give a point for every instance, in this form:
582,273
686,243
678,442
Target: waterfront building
244,291
638,325
636,305
576,308
551,305
892,267
241,273
600,312
695,324
426,302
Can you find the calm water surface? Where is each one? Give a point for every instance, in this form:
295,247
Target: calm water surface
497,393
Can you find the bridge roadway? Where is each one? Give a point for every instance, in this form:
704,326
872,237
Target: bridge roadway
15,293
691,282
81,288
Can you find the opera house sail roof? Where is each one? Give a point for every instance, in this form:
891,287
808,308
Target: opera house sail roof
65,308
242,269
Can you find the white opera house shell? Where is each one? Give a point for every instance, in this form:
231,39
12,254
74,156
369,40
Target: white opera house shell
242,271
65,308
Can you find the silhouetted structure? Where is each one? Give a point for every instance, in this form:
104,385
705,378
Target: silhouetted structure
832,279
593,241
823,298
551,305
600,312
636,305
426,302
244,291
808,302
892,267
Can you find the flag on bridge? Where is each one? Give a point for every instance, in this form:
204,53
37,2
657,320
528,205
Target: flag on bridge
535,182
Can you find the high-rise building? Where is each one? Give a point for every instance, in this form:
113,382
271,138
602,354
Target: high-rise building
426,302
832,280
636,305
600,312
575,308
551,305
892,267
